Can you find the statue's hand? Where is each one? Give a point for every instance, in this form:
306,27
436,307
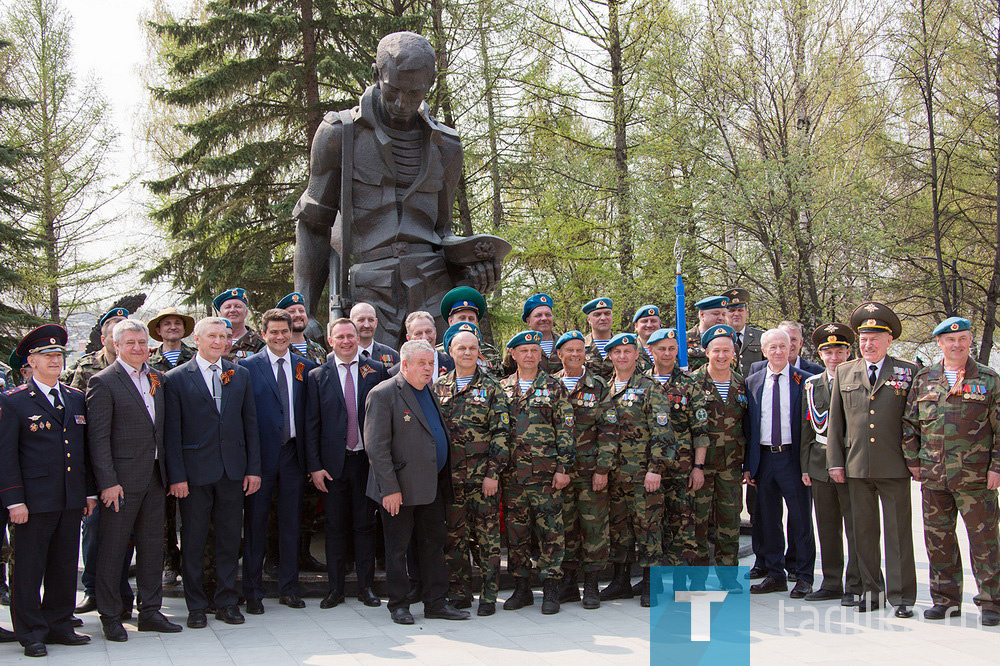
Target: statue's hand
484,275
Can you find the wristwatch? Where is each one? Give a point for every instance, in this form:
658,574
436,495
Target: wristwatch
699,466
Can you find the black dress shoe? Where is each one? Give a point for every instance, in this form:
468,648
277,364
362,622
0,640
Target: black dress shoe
486,608
990,618
461,602
68,639
368,597
800,590
126,614
158,622
903,612
792,576
869,606
35,650
755,573
416,591
88,604
292,601
941,611
768,585
331,600
114,631
7,636
822,595
850,600
310,564
402,616
446,612
255,606
230,615
170,577
74,621
197,620
270,569
4,595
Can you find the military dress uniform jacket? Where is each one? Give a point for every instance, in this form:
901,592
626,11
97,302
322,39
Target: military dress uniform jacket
688,417
478,422
866,422
726,438
816,421
646,438
955,439
750,351
542,429
596,424
157,361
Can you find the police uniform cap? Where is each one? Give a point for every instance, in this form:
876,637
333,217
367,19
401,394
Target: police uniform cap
621,339
832,335
462,298
238,293
525,338
113,312
294,298
662,334
717,331
599,303
460,327
712,303
874,317
533,302
16,362
154,323
43,340
567,336
646,311
953,325
738,298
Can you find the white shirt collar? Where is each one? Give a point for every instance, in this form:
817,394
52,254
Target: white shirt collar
370,349
129,369
203,363
45,388
783,372
878,366
274,359
356,359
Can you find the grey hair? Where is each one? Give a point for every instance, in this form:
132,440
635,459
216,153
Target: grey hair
128,325
770,333
199,328
414,316
411,347
792,324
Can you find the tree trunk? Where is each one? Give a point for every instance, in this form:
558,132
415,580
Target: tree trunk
314,114
993,292
622,194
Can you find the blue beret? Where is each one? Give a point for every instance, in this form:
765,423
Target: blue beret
462,298
662,334
646,311
953,325
535,301
113,312
712,303
237,292
460,327
567,336
719,331
525,338
43,340
596,304
229,324
294,298
620,339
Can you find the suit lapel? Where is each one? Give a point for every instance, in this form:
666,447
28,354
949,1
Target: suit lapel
332,381
158,406
884,373
124,378
410,398
194,373
227,367
262,361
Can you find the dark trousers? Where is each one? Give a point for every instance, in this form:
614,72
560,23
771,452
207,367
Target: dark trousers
900,582
90,547
287,481
171,552
219,504
755,544
350,519
424,523
140,518
833,518
780,481
45,551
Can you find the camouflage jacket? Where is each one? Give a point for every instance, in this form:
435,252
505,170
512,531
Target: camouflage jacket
688,417
550,365
646,438
541,430
726,441
88,366
7,380
644,363
478,422
697,357
315,352
599,365
158,361
596,429
247,346
489,358
954,438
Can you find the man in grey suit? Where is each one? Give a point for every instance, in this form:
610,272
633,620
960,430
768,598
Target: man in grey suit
125,414
410,479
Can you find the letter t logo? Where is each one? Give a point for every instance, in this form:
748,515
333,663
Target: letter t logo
701,611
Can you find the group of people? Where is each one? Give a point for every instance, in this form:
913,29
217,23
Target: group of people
578,450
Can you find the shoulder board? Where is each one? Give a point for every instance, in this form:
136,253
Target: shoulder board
70,388
16,389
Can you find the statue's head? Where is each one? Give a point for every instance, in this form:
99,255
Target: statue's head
404,69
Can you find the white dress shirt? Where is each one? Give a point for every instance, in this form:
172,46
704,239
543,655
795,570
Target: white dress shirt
342,370
288,380
206,373
766,407
878,367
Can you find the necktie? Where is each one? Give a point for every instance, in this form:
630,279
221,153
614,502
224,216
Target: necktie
776,412
216,386
873,374
366,353
56,402
352,408
286,408
739,341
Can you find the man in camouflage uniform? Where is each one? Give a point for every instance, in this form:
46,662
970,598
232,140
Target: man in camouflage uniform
542,458
465,304
475,412
585,499
537,314
234,305
711,312
90,364
647,450
645,322
719,501
951,440
600,320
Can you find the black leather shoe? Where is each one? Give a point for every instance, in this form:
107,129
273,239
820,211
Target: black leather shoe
270,569
126,614
416,591
850,600
903,612
331,600
7,636
822,595
114,631
769,585
292,601
446,612
230,615
461,602
170,577
801,590
75,622
310,564
486,608
868,606
68,639
88,604
755,573
158,622
4,595
35,650
402,616
197,620
255,606
990,618
792,576
941,611
368,597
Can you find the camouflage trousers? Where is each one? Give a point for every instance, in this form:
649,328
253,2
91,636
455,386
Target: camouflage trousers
473,517
719,503
680,546
585,515
979,511
533,509
636,521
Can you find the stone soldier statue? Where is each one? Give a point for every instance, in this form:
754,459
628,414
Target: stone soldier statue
382,181
951,440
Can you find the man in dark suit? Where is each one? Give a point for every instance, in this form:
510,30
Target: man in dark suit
773,427
46,488
278,380
365,320
125,413
420,326
213,461
336,460
795,358
410,478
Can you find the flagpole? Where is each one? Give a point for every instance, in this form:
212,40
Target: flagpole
682,350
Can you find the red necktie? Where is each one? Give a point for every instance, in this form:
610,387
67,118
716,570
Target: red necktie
352,408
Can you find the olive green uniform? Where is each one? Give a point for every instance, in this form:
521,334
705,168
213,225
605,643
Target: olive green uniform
246,346
599,365
158,361
697,356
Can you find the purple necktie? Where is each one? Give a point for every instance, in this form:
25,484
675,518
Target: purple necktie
352,409
776,412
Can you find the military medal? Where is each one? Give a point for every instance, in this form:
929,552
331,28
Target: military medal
406,416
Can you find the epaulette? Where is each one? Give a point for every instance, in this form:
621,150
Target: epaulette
71,389
16,389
